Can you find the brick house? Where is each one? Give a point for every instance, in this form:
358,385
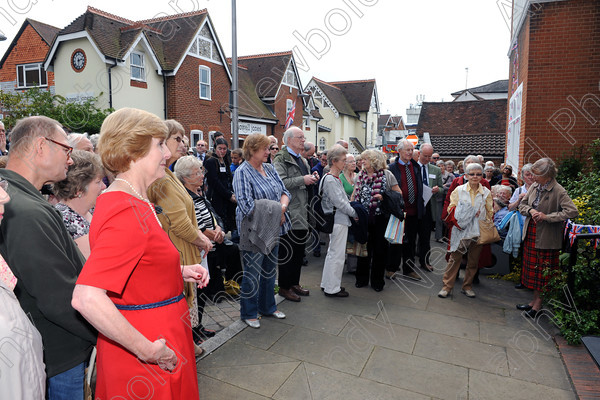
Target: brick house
349,110
269,87
457,129
171,66
21,67
554,87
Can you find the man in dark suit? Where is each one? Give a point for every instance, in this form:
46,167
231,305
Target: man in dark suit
407,172
200,150
432,177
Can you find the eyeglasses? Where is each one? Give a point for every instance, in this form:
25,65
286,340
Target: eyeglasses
475,174
435,158
274,148
68,149
4,184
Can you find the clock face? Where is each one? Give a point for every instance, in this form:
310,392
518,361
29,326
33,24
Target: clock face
78,60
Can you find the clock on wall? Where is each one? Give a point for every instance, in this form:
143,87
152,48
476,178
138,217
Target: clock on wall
78,60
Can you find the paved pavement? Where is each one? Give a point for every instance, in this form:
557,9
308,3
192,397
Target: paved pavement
401,343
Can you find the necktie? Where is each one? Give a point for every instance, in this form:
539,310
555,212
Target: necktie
410,184
425,182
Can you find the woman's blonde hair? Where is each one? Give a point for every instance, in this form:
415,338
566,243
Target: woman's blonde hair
376,158
254,143
126,136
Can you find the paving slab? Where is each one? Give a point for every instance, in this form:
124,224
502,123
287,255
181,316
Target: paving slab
381,333
538,368
433,322
461,306
258,378
270,332
310,316
233,353
214,389
351,305
463,352
330,351
311,381
521,339
416,374
483,386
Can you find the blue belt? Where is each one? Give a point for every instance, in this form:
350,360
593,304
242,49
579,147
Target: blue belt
149,305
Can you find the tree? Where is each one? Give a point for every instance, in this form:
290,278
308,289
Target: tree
78,117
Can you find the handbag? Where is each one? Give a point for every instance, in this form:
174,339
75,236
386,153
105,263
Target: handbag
487,232
394,233
323,222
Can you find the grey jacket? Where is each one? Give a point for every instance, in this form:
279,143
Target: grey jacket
260,231
335,196
558,207
293,179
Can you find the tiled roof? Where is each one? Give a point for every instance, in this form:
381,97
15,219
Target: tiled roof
47,32
463,117
249,103
266,70
500,86
114,35
490,145
316,114
336,96
358,93
383,120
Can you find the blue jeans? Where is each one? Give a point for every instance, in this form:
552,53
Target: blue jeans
67,385
258,284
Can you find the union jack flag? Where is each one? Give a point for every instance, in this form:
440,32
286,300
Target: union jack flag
290,117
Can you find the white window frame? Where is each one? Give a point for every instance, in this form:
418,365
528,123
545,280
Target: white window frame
141,66
207,84
322,143
31,67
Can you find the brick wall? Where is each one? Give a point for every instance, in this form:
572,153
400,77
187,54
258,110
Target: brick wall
30,48
184,103
280,108
560,68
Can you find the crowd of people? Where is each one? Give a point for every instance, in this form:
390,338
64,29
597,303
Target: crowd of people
117,241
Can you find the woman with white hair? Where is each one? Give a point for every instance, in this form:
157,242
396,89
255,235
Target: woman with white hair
470,202
517,196
546,207
334,200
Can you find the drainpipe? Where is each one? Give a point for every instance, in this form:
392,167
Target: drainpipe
110,102
164,91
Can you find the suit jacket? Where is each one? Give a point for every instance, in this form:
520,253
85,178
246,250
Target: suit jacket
395,169
432,182
195,152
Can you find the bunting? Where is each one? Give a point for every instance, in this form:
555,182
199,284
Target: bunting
572,230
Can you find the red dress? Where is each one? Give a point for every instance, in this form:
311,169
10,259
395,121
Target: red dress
133,259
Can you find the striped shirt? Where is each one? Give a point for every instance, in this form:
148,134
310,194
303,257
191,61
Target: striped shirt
250,185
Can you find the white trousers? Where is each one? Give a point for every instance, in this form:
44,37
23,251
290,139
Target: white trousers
334,261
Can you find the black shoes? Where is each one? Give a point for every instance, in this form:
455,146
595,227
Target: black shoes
360,284
523,307
519,286
341,293
532,313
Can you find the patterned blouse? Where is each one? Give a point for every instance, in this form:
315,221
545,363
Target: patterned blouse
77,225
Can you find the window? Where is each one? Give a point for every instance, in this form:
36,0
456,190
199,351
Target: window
322,144
204,80
31,75
136,62
307,123
288,106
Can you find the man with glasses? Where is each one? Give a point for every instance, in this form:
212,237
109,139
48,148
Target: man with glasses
294,172
435,157
38,248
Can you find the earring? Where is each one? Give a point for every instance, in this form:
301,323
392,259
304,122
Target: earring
79,195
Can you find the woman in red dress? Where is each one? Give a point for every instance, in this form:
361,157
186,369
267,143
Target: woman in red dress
131,287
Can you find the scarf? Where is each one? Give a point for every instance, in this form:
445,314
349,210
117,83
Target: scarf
538,196
369,186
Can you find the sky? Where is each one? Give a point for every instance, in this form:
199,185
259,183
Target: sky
416,48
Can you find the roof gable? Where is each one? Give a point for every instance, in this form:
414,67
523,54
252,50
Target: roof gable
358,93
333,95
46,32
267,70
463,117
114,36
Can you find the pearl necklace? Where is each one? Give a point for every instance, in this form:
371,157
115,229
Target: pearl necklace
141,197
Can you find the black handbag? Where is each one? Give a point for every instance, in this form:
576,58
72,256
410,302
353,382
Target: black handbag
393,204
323,221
